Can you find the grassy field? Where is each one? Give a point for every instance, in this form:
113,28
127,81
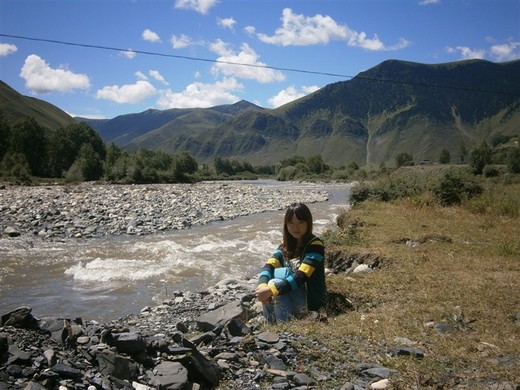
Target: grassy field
457,265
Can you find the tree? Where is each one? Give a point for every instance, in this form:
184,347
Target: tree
65,145
28,138
513,160
185,164
444,157
5,136
88,165
403,159
480,157
316,164
462,151
223,166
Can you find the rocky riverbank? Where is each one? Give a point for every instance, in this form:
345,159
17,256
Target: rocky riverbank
94,210
203,340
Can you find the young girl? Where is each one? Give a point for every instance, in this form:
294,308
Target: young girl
286,294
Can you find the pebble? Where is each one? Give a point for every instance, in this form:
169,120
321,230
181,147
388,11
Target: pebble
93,210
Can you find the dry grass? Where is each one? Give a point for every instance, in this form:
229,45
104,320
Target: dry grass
459,267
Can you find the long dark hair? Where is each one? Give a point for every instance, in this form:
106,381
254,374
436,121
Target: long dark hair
290,244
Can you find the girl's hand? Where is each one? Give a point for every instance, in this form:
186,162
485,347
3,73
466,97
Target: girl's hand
263,294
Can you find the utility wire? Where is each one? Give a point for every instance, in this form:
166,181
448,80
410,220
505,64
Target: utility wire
200,59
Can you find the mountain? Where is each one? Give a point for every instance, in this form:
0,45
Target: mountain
165,129
15,106
395,107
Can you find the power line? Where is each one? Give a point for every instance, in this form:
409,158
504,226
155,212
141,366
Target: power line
200,59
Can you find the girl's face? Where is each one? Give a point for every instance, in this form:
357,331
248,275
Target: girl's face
297,227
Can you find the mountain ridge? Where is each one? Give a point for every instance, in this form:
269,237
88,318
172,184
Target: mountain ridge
396,106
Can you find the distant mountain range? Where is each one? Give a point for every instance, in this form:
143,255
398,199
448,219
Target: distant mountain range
394,107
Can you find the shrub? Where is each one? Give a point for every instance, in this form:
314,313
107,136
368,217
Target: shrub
490,171
453,188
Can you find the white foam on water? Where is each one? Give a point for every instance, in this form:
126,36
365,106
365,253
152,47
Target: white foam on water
111,269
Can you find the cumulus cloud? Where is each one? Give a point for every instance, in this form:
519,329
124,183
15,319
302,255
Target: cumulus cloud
149,35
157,76
250,30
127,94
301,30
201,6
467,53
201,95
505,51
128,54
6,49
500,52
140,75
180,42
250,67
226,23
41,78
289,94
429,2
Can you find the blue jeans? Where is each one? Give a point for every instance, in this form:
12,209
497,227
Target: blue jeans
285,307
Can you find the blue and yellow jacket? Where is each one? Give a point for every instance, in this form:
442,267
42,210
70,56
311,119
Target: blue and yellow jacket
310,272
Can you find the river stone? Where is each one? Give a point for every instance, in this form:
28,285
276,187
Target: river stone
115,365
269,337
19,318
170,376
208,321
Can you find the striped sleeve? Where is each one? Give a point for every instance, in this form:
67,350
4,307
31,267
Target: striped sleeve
314,255
275,261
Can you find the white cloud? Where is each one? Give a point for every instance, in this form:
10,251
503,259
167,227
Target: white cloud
180,42
201,6
128,54
301,30
505,51
226,23
429,2
289,94
149,35
6,49
127,94
250,30
157,76
244,64
467,53
201,95
140,75
41,78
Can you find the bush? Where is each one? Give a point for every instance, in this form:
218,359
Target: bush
490,171
359,193
453,188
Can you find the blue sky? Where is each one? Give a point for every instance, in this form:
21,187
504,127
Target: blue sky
126,56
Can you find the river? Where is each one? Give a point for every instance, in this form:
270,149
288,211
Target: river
106,278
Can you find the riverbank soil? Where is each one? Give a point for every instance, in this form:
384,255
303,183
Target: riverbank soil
442,309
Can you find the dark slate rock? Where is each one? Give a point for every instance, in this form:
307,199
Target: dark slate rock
115,365
303,380
19,318
208,321
269,337
66,371
406,351
170,376
130,343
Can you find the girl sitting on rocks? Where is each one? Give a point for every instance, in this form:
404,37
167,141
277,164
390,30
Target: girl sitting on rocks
292,281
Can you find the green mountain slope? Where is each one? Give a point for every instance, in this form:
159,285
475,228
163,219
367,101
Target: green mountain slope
15,106
394,107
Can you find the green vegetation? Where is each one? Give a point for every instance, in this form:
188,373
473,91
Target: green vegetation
76,153
449,240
